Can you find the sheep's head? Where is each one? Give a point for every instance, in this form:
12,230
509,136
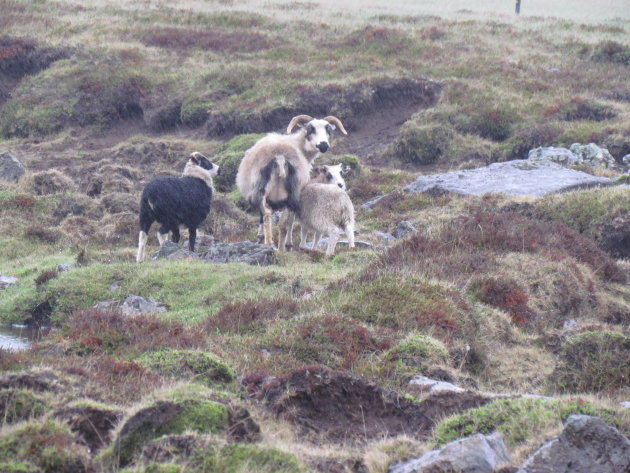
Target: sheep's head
280,165
331,175
198,159
318,131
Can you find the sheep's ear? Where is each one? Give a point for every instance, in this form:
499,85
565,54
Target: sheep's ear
317,171
345,169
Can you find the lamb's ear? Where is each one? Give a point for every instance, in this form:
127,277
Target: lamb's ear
345,169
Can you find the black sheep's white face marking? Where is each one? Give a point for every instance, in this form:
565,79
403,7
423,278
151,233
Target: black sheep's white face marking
203,162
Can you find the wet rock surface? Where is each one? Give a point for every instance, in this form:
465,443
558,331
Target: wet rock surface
586,445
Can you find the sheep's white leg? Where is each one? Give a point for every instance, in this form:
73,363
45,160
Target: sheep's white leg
303,236
162,237
142,243
286,241
316,240
267,226
349,229
333,237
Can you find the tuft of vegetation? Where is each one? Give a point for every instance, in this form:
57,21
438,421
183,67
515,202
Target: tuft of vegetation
20,404
47,447
611,51
188,407
520,421
203,367
593,362
422,144
242,457
229,157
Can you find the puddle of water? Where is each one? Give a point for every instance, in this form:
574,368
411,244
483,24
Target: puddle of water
19,337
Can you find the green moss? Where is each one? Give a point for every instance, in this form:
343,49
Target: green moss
593,362
417,349
47,447
205,367
239,458
520,420
19,404
188,407
229,157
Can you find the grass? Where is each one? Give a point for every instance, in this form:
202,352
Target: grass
115,93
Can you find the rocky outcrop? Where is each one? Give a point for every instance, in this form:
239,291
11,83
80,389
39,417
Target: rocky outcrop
519,177
132,305
10,168
586,445
477,454
240,252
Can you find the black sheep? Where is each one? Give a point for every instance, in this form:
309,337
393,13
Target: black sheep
177,201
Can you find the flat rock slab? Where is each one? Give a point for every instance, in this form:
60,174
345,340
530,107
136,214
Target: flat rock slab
519,177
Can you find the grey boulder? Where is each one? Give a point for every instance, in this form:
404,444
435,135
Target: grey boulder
10,168
240,252
476,454
586,445
594,156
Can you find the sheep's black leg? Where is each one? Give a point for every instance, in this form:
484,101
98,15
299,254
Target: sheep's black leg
192,237
176,234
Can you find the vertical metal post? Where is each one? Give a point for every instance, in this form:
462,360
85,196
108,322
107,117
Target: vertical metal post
518,6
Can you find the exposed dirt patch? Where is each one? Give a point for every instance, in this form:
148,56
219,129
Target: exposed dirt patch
217,40
372,111
342,407
40,381
92,425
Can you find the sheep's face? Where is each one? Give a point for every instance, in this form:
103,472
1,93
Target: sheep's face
318,135
203,162
280,167
331,175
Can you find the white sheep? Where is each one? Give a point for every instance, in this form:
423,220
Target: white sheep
274,170
325,209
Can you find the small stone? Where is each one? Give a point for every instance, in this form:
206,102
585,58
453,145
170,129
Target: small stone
135,305
7,281
114,286
570,324
10,168
167,249
625,404
386,237
404,229
63,267
424,384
